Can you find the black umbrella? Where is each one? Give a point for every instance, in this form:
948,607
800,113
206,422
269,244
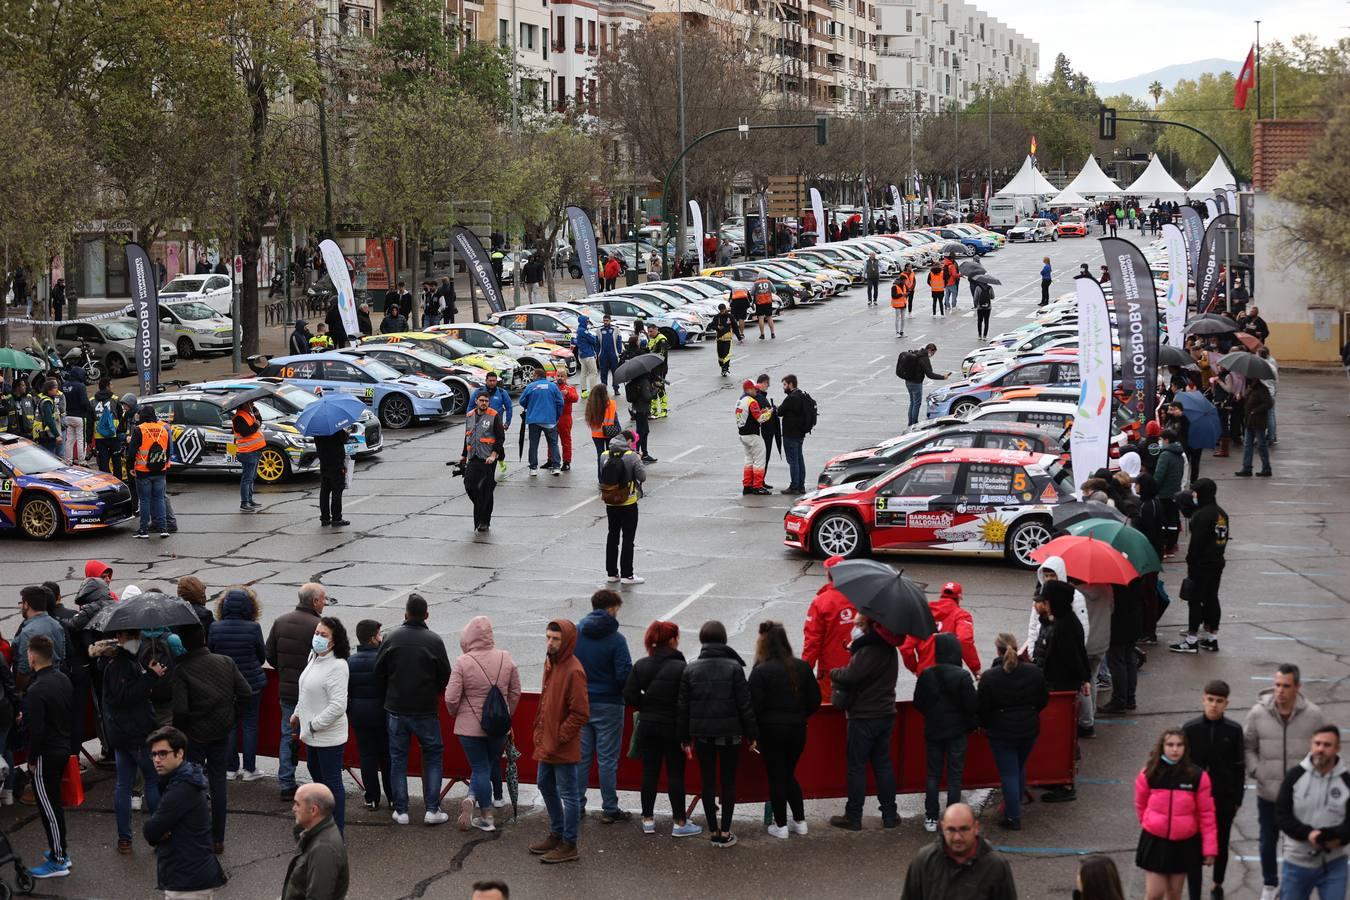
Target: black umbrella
985,279
247,396
638,366
1066,514
970,267
143,612
885,596
1248,365
1211,324
1174,356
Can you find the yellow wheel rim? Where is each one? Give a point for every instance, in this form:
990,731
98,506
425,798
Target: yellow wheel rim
39,519
271,466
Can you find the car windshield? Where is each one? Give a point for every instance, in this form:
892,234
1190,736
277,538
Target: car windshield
119,331
192,312
271,409
297,396
375,368
508,337
1071,219
30,459
182,286
428,358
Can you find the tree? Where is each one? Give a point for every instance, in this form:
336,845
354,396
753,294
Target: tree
1155,90
1316,232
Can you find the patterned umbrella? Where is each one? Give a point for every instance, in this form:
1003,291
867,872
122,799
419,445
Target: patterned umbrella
512,774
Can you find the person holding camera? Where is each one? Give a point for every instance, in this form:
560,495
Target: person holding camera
484,437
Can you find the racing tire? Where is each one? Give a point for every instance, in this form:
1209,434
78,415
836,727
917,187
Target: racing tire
1054,237
396,412
459,397
117,366
839,533
273,466
672,339
40,518
186,349
963,406
530,369
1024,538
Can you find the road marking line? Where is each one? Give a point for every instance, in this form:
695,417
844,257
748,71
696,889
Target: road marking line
684,604
358,500
821,387
576,506
872,362
681,456
795,337
421,584
1300,605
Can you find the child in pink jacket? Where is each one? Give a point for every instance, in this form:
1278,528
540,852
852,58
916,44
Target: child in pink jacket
1176,809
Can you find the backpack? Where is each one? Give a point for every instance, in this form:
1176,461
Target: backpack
156,458
495,717
907,365
106,424
810,413
615,488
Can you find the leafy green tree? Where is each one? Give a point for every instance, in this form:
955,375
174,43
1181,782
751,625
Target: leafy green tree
1155,90
1316,232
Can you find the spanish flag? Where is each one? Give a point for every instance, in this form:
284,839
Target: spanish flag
1033,145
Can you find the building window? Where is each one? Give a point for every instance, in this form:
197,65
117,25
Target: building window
590,90
543,46
561,92
560,34
579,40
503,33
590,37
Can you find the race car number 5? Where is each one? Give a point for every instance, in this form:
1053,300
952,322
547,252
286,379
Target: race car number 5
1020,481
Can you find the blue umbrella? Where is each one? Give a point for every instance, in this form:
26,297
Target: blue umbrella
331,414
1204,418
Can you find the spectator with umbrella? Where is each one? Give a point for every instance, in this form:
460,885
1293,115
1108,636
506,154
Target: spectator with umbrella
638,374
327,422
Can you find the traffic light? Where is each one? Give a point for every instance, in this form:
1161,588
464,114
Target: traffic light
1106,123
822,130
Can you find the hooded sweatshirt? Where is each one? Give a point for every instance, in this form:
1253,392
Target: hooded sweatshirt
1311,800
1209,529
603,653
563,703
475,672
1064,659
945,695
951,619
1054,564
299,341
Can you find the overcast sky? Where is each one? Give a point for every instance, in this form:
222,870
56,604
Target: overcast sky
1112,41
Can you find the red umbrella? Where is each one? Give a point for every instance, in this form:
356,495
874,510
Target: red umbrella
1250,341
1088,560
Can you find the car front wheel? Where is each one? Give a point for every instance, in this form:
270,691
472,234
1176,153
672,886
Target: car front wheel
186,349
963,406
1023,540
40,518
838,533
396,412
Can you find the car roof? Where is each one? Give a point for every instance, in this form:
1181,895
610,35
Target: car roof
1048,406
980,455
333,355
217,395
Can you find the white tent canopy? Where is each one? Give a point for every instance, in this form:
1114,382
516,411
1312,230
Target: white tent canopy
1155,182
1092,181
1217,178
1067,197
1028,183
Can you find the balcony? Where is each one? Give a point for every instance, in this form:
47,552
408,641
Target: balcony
593,49
580,48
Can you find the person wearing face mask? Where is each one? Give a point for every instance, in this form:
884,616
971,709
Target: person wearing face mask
865,690
128,718
320,717
1098,879
1175,805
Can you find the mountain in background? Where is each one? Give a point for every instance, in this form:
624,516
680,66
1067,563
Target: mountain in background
1168,75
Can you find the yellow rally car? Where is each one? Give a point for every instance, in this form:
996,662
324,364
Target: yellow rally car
455,350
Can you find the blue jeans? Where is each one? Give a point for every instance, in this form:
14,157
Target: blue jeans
150,492
428,732
1269,842
482,753
248,721
915,389
557,783
792,448
1011,759
550,433
250,475
128,764
325,767
601,737
1298,882
285,753
1255,440
949,295
1270,426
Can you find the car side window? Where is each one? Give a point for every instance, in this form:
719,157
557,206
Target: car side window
473,338
925,481
199,412
1068,372
89,333
994,440
1033,374
216,283
66,332
996,480
334,370
955,440
164,409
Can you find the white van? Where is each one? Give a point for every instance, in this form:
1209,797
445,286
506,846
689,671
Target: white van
1005,212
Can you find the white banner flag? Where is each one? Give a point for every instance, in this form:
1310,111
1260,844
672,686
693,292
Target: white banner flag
1211,208
336,264
818,210
899,208
1232,198
696,217
1091,432
1178,277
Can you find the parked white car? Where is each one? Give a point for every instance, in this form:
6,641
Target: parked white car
195,328
213,290
1033,230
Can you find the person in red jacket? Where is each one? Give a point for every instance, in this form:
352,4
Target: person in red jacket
951,618
570,396
827,631
1175,805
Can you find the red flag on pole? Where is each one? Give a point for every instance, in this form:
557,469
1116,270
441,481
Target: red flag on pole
1246,80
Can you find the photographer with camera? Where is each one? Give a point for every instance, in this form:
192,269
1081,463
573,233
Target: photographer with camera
484,438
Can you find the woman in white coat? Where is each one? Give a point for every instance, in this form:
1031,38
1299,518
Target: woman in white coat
321,710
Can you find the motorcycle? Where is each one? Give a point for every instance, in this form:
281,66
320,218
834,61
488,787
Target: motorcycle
83,357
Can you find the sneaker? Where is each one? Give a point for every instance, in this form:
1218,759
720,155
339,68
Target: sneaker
1150,641
124,847
1061,794
556,472
633,579
255,504
929,825
49,869
466,811
619,815
234,775
142,536
1184,646
372,804
1211,644
778,831
649,826
163,534
339,523
252,775
845,823
562,853
400,818
534,473
482,824
723,841
1265,474
435,817
1270,892
136,801
612,579
1243,473
688,829
567,467
797,827
649,459
244,507
500,803
47,857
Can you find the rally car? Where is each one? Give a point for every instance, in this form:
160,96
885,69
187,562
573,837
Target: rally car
201,436
1008,345
680,329
284,401
959,397
399,400
964,502
41,496
551,323
870,462
1033,230
533,356
460,378
1072,225
455,351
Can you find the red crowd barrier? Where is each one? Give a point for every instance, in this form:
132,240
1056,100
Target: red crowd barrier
821,771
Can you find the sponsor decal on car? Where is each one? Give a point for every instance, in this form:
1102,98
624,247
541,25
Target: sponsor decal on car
930,519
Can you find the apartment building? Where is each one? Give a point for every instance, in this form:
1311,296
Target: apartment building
935,53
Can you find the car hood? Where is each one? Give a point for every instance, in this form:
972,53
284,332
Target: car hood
72,478
838,490
417,382
852,456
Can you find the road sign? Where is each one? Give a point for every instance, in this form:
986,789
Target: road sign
1106,123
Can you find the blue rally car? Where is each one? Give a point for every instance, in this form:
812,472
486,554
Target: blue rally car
42,497
399,400
956,398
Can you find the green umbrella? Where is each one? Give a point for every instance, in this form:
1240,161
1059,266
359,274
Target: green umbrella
1131,543
17,359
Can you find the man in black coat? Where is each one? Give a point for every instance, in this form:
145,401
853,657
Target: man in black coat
365,712
945,696
207,690
1204,569
1215,743
128,719
180,827
865,690
332,451
288,646
46,709
336,329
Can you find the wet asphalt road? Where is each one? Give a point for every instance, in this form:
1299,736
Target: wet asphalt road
707,552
